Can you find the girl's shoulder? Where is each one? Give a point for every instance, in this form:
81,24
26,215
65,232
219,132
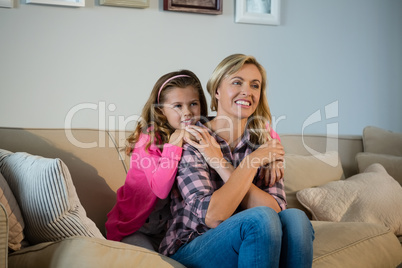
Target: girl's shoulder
272,132
142,141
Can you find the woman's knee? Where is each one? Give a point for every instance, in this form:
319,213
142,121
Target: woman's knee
295,222
264,219
291,215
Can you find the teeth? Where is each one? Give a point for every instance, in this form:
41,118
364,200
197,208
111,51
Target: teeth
243,103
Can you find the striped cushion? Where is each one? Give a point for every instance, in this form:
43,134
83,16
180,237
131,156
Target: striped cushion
45,192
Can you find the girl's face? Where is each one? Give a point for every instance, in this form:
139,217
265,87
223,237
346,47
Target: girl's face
182,107
238,94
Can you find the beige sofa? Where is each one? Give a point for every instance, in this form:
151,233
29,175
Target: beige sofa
98,169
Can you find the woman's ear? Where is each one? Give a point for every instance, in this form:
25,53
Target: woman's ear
217,94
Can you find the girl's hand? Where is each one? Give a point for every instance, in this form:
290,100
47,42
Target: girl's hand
177,137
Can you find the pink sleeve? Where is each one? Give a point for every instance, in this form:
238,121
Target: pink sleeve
274,135
272,132
160,169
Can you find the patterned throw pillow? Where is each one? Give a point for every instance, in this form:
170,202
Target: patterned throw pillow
15,220
372,196
45,192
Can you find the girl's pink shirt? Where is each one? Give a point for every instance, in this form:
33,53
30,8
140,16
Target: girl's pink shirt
151,176
272,132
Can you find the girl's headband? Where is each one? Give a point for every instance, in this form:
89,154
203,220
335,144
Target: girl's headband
167,81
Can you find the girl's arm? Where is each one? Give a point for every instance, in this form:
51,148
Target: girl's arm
275,171
160,169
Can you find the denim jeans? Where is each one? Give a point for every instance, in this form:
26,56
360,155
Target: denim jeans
256,237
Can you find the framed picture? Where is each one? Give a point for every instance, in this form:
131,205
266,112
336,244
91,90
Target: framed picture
196,6
258,11
126,3
7,3
73,3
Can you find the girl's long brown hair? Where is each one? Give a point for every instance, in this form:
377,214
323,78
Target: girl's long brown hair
153,122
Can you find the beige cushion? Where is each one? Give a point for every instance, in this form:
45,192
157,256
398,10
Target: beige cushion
391,163
354,244
372,196
15,220
47,197
3,236
380,141
309,171
88,252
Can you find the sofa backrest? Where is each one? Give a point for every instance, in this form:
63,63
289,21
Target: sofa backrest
98,166
95,164
347,147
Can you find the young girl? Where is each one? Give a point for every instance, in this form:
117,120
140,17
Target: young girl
141,211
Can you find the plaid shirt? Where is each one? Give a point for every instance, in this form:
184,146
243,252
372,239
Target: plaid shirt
194,186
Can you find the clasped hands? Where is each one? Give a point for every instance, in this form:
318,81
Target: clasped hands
270,156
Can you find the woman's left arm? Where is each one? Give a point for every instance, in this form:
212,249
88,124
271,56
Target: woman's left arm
211,152
274,197
264,194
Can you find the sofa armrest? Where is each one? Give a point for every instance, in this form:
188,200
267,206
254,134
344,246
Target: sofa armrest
3,236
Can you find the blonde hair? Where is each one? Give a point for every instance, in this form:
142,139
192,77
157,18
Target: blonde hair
153,122
258,120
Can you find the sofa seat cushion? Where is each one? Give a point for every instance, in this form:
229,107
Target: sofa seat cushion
88,252
355,244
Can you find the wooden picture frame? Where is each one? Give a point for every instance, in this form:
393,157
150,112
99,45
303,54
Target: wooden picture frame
213,7
7,3
258,11
126,3
71,3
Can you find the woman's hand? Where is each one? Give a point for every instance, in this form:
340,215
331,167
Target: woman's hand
268,153
210,150
274,172
205,143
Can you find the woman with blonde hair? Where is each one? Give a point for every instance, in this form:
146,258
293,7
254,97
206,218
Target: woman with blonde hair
224,214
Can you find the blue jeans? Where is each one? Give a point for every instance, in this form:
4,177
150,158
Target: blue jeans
256,237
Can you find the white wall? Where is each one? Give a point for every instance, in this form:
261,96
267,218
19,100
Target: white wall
341,54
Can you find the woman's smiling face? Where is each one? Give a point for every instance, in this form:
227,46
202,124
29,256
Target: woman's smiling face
238,94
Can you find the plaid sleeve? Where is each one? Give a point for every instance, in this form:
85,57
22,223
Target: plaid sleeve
277,190
194,184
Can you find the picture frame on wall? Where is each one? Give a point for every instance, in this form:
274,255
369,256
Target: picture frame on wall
126,3
213,7
7,3
71,3
258,11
